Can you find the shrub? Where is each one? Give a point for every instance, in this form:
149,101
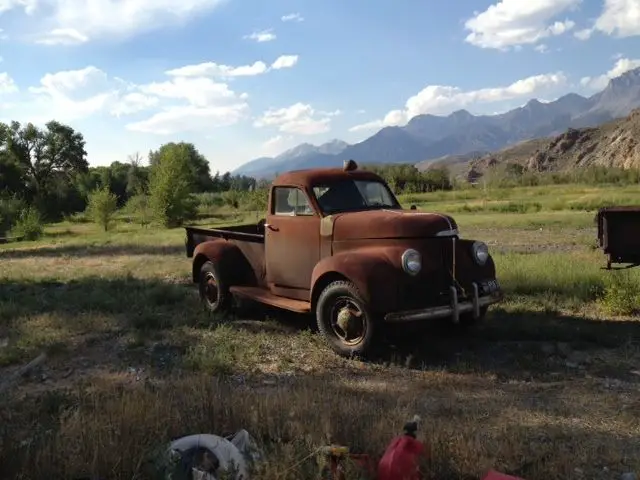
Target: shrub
621,294
10,209
28,225
102,206
140,207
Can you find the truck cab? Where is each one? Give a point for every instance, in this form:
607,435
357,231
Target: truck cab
337,243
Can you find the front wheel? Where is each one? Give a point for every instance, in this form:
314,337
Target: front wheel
214,292
345,321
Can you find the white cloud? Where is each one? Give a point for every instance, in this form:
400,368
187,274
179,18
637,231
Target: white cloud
284,61
62,36
197,91
542,48
189,98
509,23
29,6
108,18
71,94
211,69
134,102
276,145
621,66
619,18
7,85
177,119
261,36
298,118
292,17
584,34
442,99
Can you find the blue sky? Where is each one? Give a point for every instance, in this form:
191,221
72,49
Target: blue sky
246,78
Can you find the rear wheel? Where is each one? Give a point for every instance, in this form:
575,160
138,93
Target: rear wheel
214,292
345,321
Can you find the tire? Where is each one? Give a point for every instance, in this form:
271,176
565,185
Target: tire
218,301
331,306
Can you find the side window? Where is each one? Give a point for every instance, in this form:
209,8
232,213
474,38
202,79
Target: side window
291,201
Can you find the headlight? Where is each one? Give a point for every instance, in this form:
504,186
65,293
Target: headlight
480,252
411,262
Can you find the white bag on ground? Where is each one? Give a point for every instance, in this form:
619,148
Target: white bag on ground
210,455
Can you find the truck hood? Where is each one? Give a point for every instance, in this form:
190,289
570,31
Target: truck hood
390,224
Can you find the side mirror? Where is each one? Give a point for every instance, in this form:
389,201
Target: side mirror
413,207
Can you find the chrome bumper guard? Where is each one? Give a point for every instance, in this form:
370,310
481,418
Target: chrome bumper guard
453,310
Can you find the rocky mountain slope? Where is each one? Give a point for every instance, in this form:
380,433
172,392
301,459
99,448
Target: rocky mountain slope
612,144
429,138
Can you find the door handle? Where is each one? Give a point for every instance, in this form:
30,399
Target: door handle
271,227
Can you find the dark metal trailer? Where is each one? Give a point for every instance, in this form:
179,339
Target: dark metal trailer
619,234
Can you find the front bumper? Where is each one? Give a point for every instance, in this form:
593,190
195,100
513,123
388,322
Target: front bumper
453,310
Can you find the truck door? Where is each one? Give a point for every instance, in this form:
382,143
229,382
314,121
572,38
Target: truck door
292,243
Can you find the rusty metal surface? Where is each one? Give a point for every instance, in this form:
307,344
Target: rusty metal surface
374,265
309,178
619,233
381,224
263,295
301,254
292,251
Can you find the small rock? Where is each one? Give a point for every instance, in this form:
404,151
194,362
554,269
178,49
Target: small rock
635,372
629,476
571,365
4,342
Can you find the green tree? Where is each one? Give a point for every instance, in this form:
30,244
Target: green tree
102,206
140,207
43,156
197,166
170,186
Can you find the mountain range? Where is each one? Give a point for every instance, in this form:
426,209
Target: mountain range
432,138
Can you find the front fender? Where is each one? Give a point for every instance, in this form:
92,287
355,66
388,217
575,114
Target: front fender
371,270
234,266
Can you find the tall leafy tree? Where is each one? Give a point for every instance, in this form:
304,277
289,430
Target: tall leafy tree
171,185
43,156
196,164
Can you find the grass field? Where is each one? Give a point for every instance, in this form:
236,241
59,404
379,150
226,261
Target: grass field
547,388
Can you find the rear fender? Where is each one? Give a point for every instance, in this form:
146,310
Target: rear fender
233,265
371,270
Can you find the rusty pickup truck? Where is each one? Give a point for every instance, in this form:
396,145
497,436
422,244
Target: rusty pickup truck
336,242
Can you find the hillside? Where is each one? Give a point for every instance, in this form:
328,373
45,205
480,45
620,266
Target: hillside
613,144
430,138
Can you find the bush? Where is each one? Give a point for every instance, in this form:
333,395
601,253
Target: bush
102,206
10,209
140,207
28,225
621,295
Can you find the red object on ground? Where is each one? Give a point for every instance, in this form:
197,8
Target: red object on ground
400,460
493,475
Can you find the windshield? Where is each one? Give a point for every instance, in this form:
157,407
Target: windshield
351,195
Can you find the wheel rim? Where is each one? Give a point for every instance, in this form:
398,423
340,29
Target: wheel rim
210,288
348,321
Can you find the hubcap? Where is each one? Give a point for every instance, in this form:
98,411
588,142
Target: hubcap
348,322
210,288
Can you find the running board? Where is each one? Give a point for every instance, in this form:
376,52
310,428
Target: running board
263,295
